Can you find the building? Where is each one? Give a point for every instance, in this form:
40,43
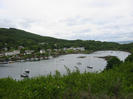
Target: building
80,48
15,52
1,54
29,51
42,51
5,49
77,48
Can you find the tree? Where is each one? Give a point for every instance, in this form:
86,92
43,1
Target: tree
112,61
129,58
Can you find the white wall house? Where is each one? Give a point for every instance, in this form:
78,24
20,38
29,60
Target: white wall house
29,51
15,52
77,48
42,51
1,54
80,48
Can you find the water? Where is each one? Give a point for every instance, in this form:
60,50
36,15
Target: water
44,67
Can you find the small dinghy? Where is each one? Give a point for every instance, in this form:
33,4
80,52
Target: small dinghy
27,71
25,74
89,67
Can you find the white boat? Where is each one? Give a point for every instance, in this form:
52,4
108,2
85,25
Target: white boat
25,74
89,67
27,71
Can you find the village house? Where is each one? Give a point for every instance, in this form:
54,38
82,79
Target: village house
1,54
42,43
42,51
55,49
5,49
78,48
29,51
15,52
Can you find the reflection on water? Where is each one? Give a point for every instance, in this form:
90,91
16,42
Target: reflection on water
45,67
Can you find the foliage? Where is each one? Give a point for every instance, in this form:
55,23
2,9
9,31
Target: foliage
129,58
112,62
12,38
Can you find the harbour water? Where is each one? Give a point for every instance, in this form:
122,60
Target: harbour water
45,67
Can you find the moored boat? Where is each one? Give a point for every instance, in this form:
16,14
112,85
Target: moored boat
89,67
25,74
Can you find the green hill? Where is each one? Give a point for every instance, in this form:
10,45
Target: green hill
15,37
12,38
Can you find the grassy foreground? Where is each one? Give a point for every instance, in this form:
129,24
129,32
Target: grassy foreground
116,83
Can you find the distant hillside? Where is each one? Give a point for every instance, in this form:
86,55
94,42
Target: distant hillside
12,38
16,35
125,42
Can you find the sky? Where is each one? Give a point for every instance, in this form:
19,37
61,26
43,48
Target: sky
104,20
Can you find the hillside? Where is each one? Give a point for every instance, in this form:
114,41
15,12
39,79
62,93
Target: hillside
16,37
125,42
12,38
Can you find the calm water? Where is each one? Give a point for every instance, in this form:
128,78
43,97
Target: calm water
45,67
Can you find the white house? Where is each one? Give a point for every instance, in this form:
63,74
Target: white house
77,48
29,51
55,49
1,54
80,48
5,49
15,52
42,51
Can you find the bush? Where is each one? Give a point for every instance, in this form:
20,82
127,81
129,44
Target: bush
129,58
112,61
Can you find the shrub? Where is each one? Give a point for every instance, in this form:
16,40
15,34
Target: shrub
112,61
129,58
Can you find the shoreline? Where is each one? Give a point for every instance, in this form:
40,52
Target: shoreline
34,59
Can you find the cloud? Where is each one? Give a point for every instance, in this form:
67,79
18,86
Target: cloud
71,19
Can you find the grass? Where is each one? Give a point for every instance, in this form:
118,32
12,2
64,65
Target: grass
116,83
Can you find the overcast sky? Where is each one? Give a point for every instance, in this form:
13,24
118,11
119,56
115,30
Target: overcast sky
105,20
